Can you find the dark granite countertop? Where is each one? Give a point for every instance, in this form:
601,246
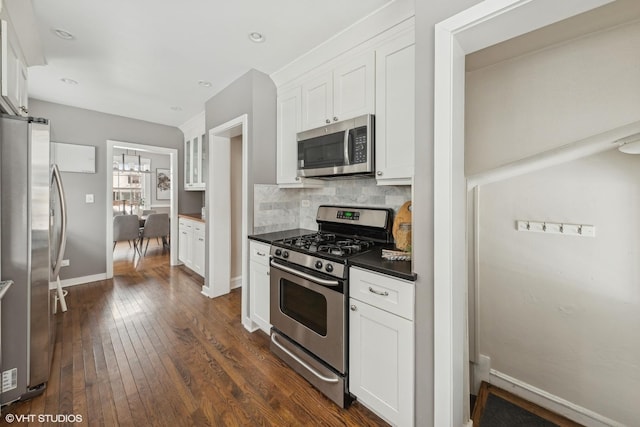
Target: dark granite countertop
279,235
373,260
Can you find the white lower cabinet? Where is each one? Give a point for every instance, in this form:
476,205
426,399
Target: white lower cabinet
191,244
381,345
259,284
198,249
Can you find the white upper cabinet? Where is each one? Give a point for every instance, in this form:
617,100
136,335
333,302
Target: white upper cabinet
289,123
375,77
14,73
195,153
345,92
395,110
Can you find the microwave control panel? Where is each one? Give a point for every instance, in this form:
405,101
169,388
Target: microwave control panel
360,145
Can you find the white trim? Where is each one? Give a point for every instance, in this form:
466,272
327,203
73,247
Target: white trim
173,215
357,35
218,280
551,402
236,282
483,25
193,125
79,280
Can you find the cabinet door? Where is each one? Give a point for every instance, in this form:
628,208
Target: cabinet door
187,163
184,242
381,362
196,161
22,89
317,102
395,116
259,295
14,74
289,117
198,249
204,161
354,88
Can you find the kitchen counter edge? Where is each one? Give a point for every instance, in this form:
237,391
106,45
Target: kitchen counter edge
373,261
192,216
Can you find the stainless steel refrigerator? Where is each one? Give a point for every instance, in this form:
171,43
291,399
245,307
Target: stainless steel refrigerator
33,218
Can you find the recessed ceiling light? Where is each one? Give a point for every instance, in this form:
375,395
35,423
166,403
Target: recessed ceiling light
204,83
65,35
256,37
176,108
69,81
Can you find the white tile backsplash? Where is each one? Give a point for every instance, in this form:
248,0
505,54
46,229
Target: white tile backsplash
281,209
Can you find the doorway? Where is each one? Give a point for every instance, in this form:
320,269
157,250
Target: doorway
229,210
114,147
480,26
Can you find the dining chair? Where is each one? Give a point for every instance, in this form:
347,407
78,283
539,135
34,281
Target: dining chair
156,225
126,227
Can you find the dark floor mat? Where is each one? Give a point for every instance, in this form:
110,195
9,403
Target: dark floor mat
495,407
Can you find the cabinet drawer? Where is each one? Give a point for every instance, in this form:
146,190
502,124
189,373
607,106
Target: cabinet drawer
185,224
198,227
385,292
259,252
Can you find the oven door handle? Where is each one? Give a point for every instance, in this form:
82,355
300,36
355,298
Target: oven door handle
302,362
304,275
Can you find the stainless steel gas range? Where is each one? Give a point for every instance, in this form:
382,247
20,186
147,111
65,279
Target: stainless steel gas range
309,291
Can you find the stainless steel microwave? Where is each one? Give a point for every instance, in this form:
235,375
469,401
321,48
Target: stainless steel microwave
341,148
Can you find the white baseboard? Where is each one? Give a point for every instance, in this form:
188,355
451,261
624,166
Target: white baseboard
236,282
549,401
79,280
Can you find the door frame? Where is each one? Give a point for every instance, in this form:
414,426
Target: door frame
173,215
485,24
218,269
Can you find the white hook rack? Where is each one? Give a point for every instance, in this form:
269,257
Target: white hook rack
582,230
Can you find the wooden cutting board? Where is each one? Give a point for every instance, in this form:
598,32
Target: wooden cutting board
403,216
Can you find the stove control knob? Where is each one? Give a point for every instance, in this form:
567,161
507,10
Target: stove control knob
318,264
278,252
285,254
329,268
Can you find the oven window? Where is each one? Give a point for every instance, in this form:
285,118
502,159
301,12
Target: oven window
304,305
323,151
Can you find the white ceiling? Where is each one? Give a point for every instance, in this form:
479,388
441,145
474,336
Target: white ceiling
141,58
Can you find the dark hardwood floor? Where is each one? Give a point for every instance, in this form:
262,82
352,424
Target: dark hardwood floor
147,348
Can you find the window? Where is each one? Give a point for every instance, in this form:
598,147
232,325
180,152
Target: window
131,184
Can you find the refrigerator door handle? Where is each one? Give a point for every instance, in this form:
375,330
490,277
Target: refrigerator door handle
55,176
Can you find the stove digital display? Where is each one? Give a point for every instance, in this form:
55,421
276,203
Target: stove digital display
350,215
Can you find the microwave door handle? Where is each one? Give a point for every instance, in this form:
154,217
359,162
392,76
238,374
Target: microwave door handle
347,141
305,275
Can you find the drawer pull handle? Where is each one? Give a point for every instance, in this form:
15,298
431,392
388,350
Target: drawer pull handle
384,294
260,253
354,307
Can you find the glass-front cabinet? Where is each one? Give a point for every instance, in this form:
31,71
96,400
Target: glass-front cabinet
195,154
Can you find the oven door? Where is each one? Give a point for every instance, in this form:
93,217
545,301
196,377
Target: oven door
311,311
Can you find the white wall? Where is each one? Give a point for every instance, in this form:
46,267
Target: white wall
561,313
552,97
